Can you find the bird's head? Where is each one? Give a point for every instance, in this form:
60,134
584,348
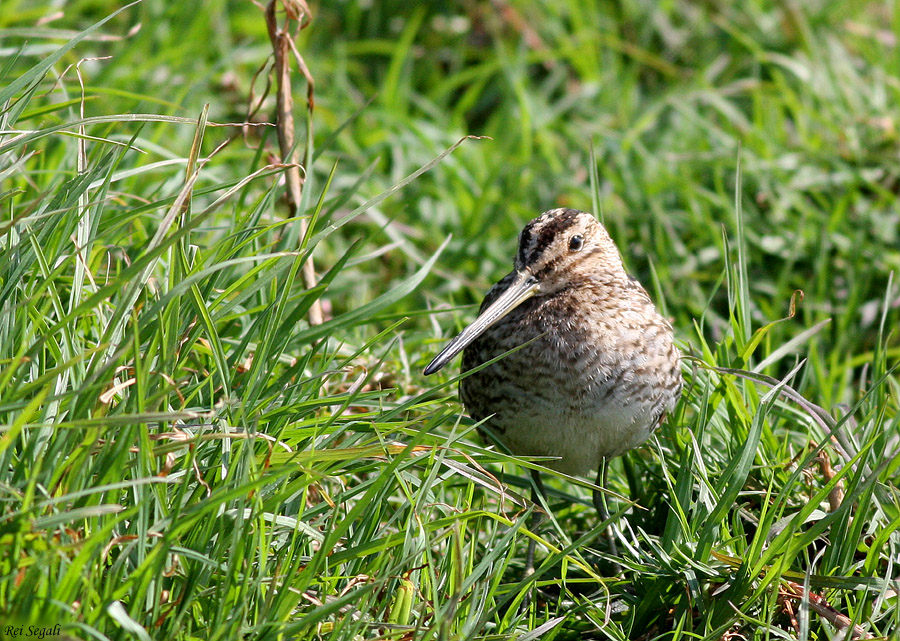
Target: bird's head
563,246
556,250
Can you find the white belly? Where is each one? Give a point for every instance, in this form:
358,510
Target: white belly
580,440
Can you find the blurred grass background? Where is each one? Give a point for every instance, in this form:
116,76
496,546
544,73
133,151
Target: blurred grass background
182,456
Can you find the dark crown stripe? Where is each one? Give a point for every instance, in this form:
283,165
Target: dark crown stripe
540,232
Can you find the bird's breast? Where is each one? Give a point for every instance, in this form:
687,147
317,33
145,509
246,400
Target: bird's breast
586,382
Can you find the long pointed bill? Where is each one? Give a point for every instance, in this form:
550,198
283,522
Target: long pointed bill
524,287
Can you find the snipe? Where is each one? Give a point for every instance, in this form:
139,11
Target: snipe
599,369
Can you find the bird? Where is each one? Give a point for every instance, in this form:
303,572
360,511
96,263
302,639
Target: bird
586,367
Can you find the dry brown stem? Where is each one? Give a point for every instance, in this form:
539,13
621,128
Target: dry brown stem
836,496
817,603
297,14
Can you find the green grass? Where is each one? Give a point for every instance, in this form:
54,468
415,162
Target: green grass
182,456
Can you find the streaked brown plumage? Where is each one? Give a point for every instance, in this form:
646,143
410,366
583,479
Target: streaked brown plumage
601,370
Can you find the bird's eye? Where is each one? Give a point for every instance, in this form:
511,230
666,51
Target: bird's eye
576,242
